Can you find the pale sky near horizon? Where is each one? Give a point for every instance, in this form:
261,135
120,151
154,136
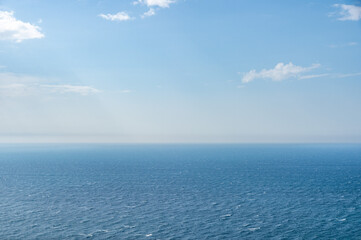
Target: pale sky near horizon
180,71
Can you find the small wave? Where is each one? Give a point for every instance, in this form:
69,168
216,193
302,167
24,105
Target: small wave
101,231
148,235
254,229
86,235
351,209
131,206
342,220
128,226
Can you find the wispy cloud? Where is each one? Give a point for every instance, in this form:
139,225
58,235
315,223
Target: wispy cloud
16,30
120,16
331,75
16,85
348,75
126,91
149,13
349,44
280,72
349,12
314,76
155,3
82,90
10,78
15,90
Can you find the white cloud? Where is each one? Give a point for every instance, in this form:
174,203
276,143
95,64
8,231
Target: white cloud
82,90
280,72
349,12
348,75
120,16
155,3
16,30
16,85
126,91
349,44
15,90
10,78
314,76
149,13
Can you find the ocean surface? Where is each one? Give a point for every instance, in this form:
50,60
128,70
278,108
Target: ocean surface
92,191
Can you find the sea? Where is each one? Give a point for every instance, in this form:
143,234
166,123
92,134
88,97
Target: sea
180,191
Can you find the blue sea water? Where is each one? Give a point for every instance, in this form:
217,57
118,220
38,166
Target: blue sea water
180,191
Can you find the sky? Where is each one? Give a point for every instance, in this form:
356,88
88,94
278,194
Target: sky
180,71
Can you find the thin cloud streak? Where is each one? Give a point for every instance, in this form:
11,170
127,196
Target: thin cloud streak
314,76
348,75
280,72
155,3
16,85
82,90
120,16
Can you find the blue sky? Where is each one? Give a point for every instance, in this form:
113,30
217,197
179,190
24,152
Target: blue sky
180,71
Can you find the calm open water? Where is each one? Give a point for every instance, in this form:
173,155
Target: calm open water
180,191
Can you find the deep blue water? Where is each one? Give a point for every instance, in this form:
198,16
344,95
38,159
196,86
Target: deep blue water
180,191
